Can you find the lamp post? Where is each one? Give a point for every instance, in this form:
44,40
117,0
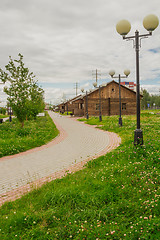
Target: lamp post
123,27
100,113
10,111
82,90
87,116
67,108
111,73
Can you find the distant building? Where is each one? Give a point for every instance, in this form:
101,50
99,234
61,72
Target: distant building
107,99
130,85
47,105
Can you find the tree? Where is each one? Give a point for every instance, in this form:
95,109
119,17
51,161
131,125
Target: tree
36,103
149,99
23,89
145,100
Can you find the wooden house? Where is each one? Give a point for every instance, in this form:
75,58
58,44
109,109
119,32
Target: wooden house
68,106
106,100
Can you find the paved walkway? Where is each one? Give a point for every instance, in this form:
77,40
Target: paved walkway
77,143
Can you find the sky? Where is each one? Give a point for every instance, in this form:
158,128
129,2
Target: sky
64,41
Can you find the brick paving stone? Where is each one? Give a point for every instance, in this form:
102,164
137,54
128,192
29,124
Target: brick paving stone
76,144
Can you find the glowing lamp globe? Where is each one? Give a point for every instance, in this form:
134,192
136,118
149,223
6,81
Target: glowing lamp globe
82,90
111,73
94,84
126,72
123,27
150,22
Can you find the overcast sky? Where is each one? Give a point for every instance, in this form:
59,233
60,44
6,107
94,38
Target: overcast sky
65,41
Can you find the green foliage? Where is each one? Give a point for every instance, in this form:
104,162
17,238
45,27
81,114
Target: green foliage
3,116
14,139
3,111
152,100
115,196
24,95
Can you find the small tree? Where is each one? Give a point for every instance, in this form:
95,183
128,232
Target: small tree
146,99
36,103
21,87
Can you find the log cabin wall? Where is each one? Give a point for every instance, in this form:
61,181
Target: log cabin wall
109,101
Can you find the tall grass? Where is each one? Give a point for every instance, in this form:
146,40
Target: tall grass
3,116
115,197
15,139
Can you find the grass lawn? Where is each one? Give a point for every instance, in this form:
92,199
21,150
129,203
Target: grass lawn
3,116
14,139
115,196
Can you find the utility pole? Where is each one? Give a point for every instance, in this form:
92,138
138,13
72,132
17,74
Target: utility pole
96,74
76,87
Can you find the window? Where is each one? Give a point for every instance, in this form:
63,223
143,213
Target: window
123,106
112,89
97,106
81,106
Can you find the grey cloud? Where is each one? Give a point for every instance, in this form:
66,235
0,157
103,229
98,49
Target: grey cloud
64,40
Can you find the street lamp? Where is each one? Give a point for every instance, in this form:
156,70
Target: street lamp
100,114
10,112
111,73
123,27
82,90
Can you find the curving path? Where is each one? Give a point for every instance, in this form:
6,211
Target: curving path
76,144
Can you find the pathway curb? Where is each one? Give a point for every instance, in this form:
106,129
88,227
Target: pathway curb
114,142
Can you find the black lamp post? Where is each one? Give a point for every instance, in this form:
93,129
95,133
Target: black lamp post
111,73
100,113
10,117
82,90
87,116
67,108
123,27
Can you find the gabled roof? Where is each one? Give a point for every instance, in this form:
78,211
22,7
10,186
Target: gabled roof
70,100
81,96
102,86
73,99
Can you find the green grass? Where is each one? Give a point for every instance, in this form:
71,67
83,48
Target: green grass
65,113
15,139
115,197
3,116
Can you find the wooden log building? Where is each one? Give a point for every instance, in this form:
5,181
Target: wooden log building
106,100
